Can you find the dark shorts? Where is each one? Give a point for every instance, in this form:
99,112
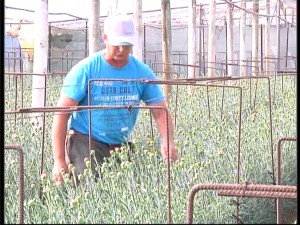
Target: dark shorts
77,150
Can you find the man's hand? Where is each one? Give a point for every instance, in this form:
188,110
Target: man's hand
173,155
56,172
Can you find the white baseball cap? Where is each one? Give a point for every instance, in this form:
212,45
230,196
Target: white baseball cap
120,30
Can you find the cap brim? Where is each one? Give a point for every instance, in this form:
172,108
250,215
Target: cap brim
120,40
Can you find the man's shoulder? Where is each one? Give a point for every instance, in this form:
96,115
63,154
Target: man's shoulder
93,57
137,62
89,60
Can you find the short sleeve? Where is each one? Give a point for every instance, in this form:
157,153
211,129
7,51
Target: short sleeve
75,83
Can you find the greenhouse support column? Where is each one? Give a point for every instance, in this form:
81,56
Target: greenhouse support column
200,40
137,49
230,51
243,64
40,60
287,47
145,49
49,50
278,36
166,45
261,48
212,39
226,47
203,47
191,37
267,39
94,27
86,39
255,31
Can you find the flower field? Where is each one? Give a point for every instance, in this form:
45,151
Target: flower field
213,125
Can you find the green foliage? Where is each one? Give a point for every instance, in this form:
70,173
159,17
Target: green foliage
136,191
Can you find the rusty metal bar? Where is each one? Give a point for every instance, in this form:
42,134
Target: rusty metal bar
21,179
278,180
16,96
189,65
28,73
43,137
257,194
208,105
243,190
287,45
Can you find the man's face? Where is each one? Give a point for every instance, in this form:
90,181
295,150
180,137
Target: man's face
118,54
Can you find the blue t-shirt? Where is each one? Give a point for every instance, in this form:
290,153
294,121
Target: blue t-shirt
112,126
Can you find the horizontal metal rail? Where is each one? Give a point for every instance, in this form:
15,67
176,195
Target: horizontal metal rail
242,190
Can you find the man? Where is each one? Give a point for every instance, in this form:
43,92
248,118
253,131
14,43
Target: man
110,128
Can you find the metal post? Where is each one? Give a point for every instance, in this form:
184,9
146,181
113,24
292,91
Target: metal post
278,35
200,46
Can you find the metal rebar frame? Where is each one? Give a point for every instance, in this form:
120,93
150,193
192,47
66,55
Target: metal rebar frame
94,107
211,82
278,177
21,179
241,190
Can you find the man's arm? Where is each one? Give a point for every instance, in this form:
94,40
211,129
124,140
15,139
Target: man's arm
160,118
59,131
